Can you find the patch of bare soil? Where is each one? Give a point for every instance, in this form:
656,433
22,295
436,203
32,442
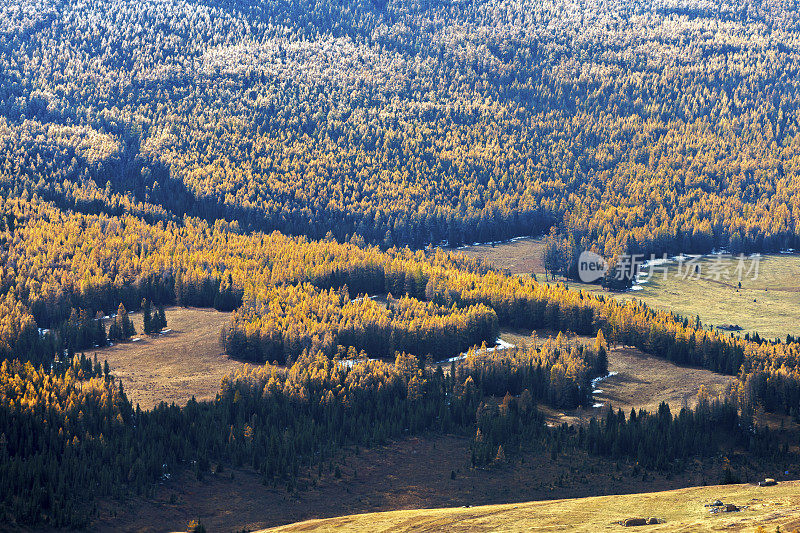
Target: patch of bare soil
172,367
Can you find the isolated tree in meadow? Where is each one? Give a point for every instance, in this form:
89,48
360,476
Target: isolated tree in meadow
147,318
601,351
160,319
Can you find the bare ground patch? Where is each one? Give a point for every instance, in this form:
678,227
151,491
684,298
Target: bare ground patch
643,381
188,361
521,256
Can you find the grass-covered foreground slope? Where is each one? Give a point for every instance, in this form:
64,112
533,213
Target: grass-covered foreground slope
678,510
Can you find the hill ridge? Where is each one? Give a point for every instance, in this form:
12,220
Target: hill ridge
678,510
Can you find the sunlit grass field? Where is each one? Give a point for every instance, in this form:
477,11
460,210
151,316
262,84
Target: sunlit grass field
677,510
768,304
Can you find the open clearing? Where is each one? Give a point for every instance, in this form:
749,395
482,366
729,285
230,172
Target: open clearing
641,381
637,380
680,510
769,304
188,361
520,256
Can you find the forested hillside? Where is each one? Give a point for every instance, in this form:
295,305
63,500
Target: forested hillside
291,161
295,306
637,126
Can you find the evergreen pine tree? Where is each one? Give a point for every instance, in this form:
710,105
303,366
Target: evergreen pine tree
161,318
125,324
148,325
601,351
99,333
114,330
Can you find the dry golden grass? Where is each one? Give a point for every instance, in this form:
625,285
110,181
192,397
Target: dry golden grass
767,305
680,510
639,380
173,367
523,256
642,381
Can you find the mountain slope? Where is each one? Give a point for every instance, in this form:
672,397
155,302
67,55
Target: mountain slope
678,510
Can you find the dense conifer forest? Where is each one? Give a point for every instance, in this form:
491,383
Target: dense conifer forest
630,126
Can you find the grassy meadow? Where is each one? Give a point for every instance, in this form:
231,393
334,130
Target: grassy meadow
677,510
768,304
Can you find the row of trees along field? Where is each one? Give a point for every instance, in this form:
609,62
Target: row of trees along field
659,441
82,331
628,126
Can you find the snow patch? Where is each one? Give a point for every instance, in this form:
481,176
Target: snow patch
596,381
501,345
349,363
360,298
489,243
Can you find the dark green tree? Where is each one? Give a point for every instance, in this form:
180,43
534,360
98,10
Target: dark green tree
147,319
